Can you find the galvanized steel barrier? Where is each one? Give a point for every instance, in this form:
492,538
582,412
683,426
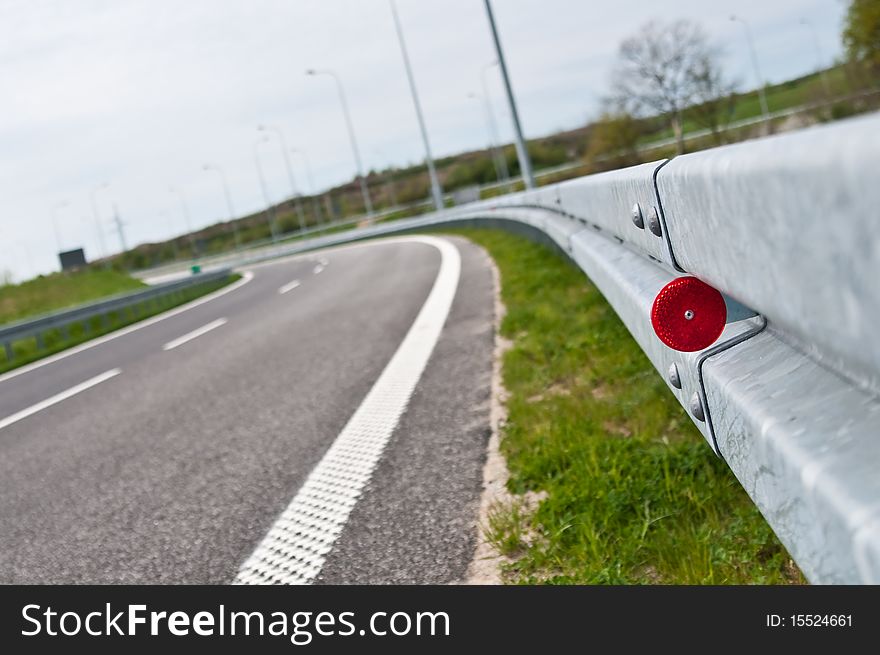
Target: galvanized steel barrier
788,228
138,302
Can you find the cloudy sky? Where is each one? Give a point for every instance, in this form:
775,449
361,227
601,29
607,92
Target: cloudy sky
141,94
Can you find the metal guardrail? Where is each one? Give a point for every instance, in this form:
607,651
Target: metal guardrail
36,328
789,395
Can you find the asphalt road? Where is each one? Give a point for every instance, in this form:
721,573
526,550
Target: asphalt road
165,455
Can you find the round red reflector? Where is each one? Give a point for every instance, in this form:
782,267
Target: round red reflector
688,314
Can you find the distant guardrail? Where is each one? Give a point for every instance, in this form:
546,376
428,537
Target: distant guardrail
787,228
128,306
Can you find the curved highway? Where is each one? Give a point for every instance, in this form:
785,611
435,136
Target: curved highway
170,452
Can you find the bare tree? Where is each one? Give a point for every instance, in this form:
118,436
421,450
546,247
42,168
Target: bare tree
659,70
714,96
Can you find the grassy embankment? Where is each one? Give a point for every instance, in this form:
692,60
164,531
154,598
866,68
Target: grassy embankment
60,290
634,494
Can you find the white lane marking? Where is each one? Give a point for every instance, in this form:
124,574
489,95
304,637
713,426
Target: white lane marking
317,269
54,400
308,255
296,546
323,262
246,277
189,336
290,286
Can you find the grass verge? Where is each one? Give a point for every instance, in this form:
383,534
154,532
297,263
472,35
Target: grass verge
49,293
633,493
27,350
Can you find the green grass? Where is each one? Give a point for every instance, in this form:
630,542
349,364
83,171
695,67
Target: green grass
634,493
52,292
53,341
786,95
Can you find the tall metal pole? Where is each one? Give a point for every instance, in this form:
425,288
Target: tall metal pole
436,191
174,248
293,190
229,207
493,150
522,153
119,227
316,205
269,207
185,211
55,208
365,192
754,55
97,216
820,65
501,158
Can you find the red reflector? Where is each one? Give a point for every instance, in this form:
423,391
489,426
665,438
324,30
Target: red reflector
688,314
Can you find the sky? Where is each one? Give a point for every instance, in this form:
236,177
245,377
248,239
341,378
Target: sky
139,95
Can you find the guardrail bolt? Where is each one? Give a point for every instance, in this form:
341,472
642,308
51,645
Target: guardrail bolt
637,218
674,378
654,222
697,407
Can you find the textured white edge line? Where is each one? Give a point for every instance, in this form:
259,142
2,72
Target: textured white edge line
290,286
195,334
297,544
57,398
317,269
246,277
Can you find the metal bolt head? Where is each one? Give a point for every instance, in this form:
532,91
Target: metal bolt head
697,407
674,378
654,222
688,314
637,218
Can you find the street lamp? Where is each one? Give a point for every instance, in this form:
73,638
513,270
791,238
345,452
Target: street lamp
174,249
761,96
55,208
229,207
97,216
500,165
365,192
316,205
185,211
522,153
269,208
823,74
493,125
293,190
436,191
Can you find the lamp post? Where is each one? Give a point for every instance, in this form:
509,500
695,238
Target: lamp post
185,211
55,208
365,192
500,166
493,124
522,153
97,216
269,208
229,208
174,248
765,111
293,190
316,205
823,74
436,191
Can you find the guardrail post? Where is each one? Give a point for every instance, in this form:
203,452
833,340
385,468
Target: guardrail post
39,339
10,354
